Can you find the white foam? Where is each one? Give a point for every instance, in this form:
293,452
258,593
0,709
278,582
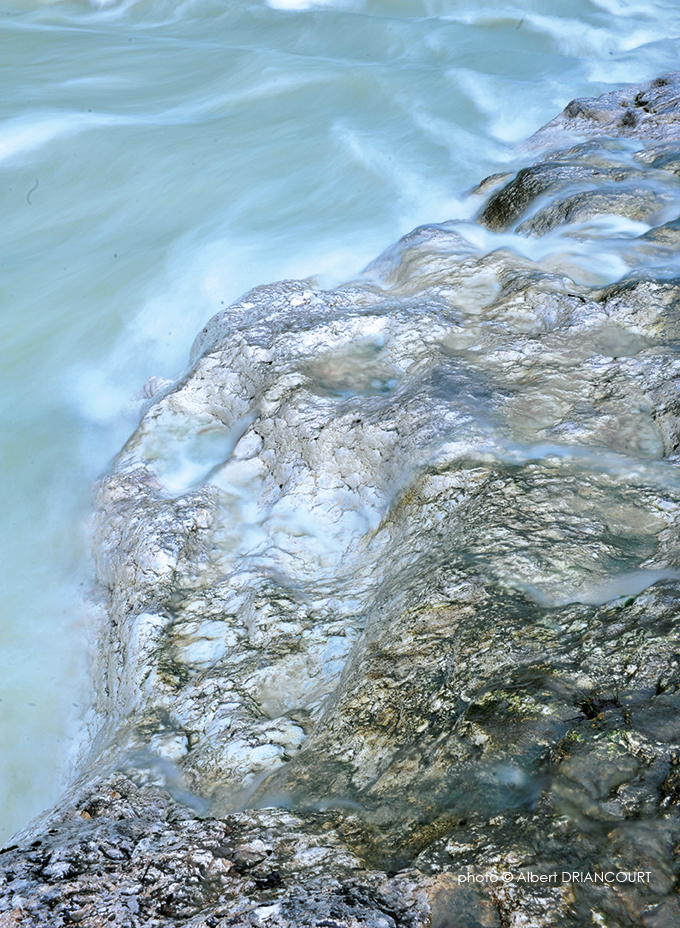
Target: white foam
27,133
613,73
418,197
464,147
629,584
32,131
512,113
300,5
647,9
575,37
598,255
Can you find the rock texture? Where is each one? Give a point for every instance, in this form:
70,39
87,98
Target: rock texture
648,111
390,631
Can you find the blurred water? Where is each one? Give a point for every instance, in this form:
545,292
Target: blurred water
158,158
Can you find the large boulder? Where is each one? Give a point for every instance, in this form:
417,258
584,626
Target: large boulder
390,632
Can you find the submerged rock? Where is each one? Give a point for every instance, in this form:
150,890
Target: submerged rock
391,632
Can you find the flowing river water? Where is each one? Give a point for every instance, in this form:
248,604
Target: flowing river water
158,158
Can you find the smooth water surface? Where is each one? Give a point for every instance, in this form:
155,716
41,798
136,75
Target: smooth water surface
160,157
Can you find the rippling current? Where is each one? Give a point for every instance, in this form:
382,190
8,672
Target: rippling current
159,158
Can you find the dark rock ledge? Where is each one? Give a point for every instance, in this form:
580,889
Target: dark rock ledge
391,583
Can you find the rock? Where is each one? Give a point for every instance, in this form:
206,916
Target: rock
511,202
639,204
667,234
390,624
646,111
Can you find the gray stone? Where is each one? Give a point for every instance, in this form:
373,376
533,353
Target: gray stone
639,204
511,202
647,111
390,589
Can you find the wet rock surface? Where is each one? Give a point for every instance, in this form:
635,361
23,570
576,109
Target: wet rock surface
390,620
644,111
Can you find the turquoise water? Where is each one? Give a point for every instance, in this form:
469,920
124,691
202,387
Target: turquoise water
159,158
